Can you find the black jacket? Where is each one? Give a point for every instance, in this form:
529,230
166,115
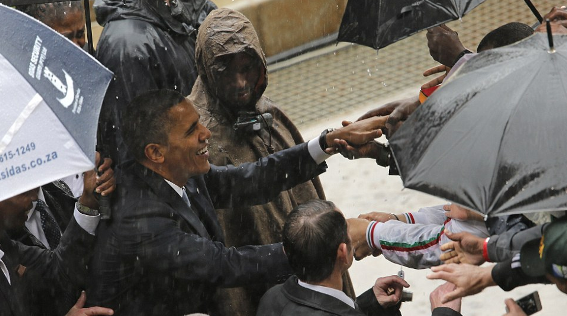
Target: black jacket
291,299
159,256
147,48
64,266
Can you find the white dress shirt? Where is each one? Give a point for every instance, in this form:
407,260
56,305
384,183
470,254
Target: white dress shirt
340,295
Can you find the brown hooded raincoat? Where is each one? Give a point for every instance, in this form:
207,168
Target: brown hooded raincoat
226,32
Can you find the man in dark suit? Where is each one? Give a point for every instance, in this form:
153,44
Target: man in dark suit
46,220
163,251
319,250
65,265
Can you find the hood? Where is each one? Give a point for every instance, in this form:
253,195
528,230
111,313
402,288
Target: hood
226,32
182,16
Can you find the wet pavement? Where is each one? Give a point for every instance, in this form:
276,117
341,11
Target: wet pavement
321,88
344,77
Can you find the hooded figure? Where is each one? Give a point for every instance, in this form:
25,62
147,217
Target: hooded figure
232,79
149,45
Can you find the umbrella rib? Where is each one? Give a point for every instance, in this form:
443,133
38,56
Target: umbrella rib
26,112
497,164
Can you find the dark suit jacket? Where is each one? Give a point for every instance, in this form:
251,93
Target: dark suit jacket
292,299
48,299
65,265
158,256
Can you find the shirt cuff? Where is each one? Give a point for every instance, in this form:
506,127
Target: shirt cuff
88,223
318,154
370,235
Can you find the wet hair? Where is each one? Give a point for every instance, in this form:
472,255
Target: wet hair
50,13
311,236
146,120
505,35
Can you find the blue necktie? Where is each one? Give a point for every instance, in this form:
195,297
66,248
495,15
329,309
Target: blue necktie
49,225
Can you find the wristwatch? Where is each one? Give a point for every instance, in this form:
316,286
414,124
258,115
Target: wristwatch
323,138
86,210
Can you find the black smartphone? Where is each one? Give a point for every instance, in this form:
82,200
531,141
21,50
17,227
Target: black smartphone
530,303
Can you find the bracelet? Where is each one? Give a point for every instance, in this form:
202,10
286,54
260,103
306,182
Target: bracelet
463,53
485,250
395,216
86,210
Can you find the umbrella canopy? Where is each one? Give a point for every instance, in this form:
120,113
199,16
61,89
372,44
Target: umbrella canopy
494,138
379,23
51,92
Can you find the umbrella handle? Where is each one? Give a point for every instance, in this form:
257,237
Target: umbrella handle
89,27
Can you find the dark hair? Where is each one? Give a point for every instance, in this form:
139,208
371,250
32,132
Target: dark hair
49,13
505,35
311,236
146,120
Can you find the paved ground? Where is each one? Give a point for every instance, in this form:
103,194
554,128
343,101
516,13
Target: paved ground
320,89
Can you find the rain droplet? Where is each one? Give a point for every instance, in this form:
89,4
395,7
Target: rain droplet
384,84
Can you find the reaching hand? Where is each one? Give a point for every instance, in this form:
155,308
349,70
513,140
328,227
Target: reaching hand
437,80
436,297
357,233
465,248
359,132
398,112
78,310
378,216
371,149
444,45
469,279
513,308
457,212
388,290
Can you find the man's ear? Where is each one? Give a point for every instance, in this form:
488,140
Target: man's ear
155,153
342,252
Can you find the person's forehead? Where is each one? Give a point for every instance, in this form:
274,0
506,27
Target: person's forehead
183,113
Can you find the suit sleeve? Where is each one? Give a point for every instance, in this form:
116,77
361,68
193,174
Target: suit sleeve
261,181
163,246
66,264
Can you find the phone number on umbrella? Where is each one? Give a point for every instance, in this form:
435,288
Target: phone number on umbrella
15,170
22,150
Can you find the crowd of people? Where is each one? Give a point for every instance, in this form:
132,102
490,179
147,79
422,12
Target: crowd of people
216,203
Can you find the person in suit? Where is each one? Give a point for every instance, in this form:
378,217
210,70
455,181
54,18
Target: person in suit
163,251
64,266
319,250
47,219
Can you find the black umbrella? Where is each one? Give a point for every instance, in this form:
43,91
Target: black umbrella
379,23
494,138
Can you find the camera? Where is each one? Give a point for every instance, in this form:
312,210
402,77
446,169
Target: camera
530,303
252,122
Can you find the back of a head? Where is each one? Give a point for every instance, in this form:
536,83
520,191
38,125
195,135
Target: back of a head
505,35
146,120
53,12
311,236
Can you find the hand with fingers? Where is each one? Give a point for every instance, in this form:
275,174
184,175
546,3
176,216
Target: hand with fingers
436,297
437,80
468,279
357,232
513,308
388,290
558,18
381,217
105,183
444,45
357,133
78,310
398,112
465,248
